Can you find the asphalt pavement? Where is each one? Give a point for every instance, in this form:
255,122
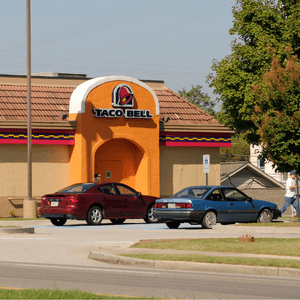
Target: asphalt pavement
111,252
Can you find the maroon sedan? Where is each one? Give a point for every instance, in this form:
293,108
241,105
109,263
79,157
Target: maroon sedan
94,202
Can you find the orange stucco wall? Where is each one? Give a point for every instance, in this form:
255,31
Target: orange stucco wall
127,148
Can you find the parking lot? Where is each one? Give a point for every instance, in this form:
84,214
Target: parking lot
71,243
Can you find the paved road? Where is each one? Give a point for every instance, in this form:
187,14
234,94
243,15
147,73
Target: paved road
106,279
58,257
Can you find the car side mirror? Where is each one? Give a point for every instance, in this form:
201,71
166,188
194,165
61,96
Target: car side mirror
249,199
138,194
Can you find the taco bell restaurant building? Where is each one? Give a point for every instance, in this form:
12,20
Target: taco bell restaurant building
113,128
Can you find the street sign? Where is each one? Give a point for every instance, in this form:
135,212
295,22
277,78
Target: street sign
206,163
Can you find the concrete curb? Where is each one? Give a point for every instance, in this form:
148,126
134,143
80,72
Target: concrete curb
17,230
192,266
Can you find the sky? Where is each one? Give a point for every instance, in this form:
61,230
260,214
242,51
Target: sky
170,40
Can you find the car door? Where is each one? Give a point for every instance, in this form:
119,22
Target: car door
113,205
241,208
218,202
134,206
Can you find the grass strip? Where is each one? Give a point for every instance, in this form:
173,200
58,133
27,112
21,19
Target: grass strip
57,294
272,224
21,219
271,246
249,261
9,226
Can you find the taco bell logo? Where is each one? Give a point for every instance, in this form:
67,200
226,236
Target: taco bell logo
122,96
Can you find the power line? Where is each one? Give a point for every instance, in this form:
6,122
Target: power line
144,36
60,36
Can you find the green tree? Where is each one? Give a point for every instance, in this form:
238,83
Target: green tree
239,150
262,29
199,98
277,113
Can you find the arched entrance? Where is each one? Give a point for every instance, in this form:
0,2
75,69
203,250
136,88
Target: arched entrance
119,160
116,139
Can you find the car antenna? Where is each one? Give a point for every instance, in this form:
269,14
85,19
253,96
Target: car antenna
229,178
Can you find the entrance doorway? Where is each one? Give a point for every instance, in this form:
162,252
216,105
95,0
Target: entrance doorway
119,160
109,170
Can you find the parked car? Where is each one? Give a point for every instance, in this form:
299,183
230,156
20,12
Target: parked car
208,205
94,202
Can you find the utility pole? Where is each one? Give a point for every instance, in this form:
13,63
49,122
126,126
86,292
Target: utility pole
29,205
297,194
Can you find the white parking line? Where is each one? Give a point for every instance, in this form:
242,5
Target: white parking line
89,269
25,238
120,242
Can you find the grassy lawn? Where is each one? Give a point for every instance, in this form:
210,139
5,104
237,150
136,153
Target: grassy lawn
56,294
272,224
20,219
272,246
268,246
249,261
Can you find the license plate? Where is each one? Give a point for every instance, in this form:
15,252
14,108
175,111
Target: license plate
171,205
54,203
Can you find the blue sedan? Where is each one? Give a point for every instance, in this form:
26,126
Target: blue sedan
209,205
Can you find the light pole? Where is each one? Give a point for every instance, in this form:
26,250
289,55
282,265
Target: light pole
297,193
29,205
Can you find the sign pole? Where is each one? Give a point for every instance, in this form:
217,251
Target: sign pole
29,206
206,165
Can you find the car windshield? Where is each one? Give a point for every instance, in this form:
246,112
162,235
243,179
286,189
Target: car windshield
77,188
194,192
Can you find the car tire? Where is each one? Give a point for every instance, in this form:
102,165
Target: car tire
173,225
209,220
150,218
265,216
117,221
58,221
94,216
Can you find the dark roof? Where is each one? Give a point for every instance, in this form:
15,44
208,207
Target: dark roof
47,102
230,169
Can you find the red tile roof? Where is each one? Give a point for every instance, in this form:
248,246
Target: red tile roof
48,102
181,111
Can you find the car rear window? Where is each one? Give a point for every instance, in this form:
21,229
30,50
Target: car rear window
77,188
192,192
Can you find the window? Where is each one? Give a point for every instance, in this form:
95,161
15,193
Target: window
77,188
107,189
192,192
125,190
233,195
284,177
261,163
215,195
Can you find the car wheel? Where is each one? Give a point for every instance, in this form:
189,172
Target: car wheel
209,220
58,221
265,216
150,218
94,216
173,225
117,221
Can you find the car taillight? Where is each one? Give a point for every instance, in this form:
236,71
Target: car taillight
72,200
174,205
160,205
184,205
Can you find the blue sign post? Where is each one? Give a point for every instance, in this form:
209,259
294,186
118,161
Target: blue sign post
206,165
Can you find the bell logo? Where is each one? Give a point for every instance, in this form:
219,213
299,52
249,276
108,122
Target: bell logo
122,96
